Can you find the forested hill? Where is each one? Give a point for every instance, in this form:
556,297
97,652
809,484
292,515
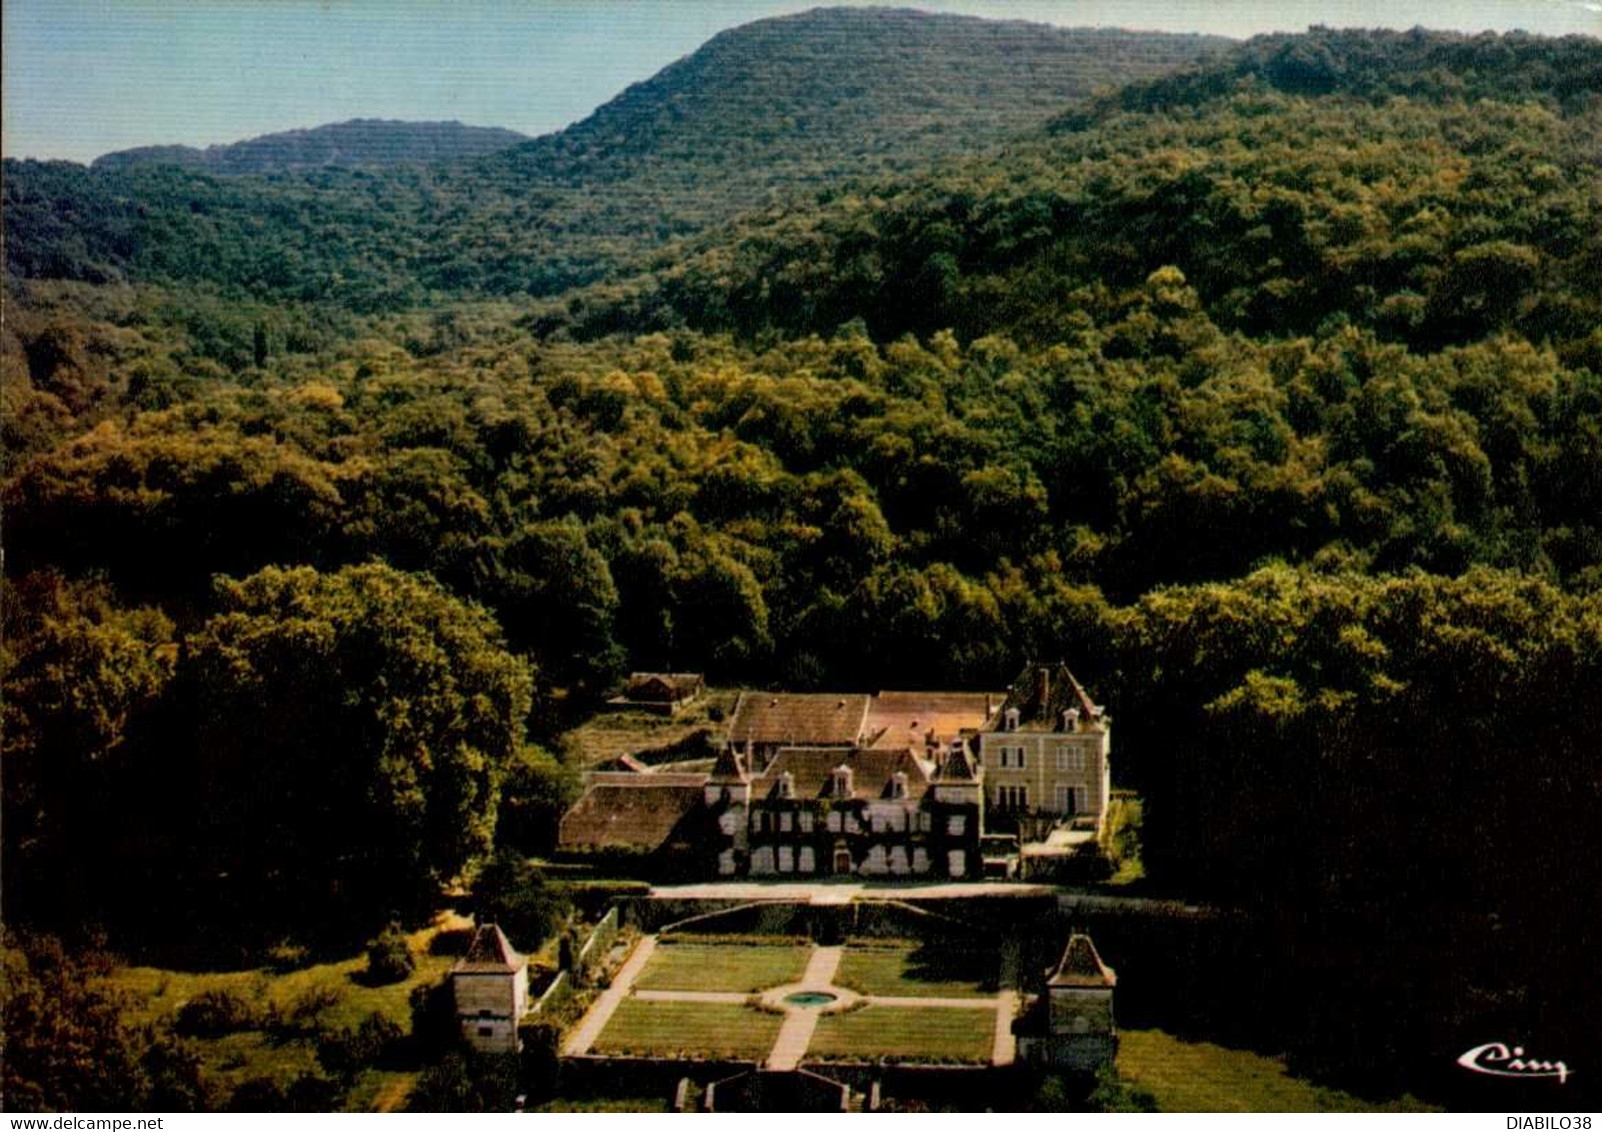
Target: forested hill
1563,73
1432,219
1276,410
360,143
776,109
845,92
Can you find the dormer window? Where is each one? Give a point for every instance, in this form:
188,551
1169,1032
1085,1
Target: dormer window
898,784
1009,719
841,782
787,785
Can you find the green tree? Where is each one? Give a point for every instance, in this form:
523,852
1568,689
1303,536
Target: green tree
352,730
67,1047
513,893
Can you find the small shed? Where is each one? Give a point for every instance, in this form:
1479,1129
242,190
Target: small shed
665,693
1071,1026
490,986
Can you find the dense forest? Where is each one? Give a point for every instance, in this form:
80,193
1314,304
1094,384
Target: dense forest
1268,393
767,112
359,144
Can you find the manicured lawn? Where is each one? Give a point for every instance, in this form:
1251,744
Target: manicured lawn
905,1033
1202,1077
606,1104
695,1029
723,967
915,971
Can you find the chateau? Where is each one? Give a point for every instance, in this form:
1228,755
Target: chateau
898,784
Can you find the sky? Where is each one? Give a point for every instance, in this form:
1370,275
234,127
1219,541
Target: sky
85,77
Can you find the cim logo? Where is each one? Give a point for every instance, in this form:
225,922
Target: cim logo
1496,1060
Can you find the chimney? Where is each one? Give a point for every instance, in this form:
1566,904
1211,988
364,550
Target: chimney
1044,682
989,707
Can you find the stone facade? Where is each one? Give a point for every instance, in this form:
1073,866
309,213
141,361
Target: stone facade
1071,1026
860,812
1047,751
490,986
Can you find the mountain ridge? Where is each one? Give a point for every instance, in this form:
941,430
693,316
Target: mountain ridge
357,143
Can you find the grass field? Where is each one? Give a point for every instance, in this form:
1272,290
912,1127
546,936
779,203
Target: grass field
696,1029
1202,1077
905,1034
914,970
156,993
722,967
609,734
606,1104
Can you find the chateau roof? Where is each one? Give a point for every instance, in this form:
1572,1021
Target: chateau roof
1081,966
905,719
872,772
641,811
816,719
728,768
958,763
1041,694
489,953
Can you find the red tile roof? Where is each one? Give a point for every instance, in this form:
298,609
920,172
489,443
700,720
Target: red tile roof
814,719
904,719
640,812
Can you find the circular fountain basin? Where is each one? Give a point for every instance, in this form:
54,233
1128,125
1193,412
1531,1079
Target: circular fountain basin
810,998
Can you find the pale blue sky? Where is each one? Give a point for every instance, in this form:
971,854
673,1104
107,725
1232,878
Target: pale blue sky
83,77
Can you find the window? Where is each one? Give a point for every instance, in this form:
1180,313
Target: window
808,861
1012,798
956,863
926,822
1068,759
805,819
1013,757
486,1031
956,824
786,859
785,821
834,821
